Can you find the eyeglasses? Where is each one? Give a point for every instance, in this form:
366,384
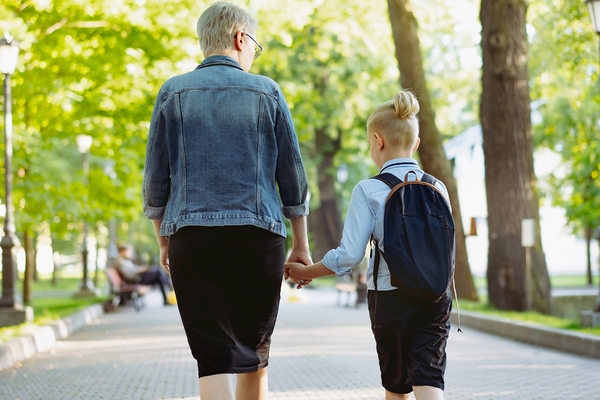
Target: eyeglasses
257,49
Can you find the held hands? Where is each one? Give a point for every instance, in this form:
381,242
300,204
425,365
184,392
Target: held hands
297,259
293,271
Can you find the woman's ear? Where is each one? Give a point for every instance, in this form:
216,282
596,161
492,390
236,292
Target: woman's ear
239,40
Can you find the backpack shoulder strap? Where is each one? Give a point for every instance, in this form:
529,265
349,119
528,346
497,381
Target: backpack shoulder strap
429,179
389,179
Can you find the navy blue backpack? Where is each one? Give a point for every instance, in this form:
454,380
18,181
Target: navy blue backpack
418,232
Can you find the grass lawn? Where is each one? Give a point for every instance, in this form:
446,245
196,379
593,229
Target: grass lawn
68,283
569,281
529,316
56,302
558,281
47,310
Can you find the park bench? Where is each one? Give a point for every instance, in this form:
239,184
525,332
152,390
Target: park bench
348,285
122,292
347,288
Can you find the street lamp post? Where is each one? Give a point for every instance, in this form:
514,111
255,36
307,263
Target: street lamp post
84,142
112,253
592,318
11,311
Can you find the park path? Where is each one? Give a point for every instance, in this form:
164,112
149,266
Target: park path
320,351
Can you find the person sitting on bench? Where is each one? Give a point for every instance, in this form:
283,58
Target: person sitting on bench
138,274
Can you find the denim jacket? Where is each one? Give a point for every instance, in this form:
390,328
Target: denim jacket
221,144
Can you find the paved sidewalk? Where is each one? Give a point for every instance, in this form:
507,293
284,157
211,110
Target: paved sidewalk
319,351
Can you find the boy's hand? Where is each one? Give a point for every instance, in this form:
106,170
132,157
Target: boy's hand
292,270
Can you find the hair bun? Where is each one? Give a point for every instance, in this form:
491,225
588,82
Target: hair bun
406,105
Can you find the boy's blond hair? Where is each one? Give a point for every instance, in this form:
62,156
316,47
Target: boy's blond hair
219,22
397,120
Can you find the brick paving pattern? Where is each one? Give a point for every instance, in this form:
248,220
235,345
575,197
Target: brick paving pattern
320,351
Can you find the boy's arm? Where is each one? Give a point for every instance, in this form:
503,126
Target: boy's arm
299,271
358,227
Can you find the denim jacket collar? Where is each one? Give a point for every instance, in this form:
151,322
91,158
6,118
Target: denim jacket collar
219,59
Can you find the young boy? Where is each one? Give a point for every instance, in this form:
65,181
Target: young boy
410,333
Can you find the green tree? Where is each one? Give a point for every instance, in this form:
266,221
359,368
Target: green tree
565,80
88,68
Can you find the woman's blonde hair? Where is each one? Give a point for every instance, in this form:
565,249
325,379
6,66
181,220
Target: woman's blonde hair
219,22
397,120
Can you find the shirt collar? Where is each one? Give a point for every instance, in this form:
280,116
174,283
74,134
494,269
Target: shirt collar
400,162
219,60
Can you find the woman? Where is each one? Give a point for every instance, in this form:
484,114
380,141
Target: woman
222,157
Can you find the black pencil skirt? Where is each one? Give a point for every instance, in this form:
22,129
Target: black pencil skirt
227,280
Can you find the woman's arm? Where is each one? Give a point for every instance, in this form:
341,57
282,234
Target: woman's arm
157,176
300,250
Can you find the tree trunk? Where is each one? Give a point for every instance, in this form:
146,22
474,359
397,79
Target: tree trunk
597,309
35,265
511,185
588,246
326,222
55,266
431,150
97,270
29,266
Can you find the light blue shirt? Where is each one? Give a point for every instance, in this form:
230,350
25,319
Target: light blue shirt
365,218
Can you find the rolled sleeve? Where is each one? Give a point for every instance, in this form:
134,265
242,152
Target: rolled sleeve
290,173
359,224
291,212
154,212
156,183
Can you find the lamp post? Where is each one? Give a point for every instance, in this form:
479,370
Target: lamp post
592,318
11,308
84,142
112,253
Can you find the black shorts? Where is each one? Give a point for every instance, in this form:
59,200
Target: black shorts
411,337
227,280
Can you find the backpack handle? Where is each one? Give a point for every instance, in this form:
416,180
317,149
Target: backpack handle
411,172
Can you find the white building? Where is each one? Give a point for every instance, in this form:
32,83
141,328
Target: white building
565,253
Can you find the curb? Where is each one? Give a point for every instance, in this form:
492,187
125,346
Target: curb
45,337
577,343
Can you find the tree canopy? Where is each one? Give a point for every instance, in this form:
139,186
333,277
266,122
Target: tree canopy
565,82
95,68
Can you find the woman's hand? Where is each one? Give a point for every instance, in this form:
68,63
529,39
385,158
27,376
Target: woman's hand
164,256
163,245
